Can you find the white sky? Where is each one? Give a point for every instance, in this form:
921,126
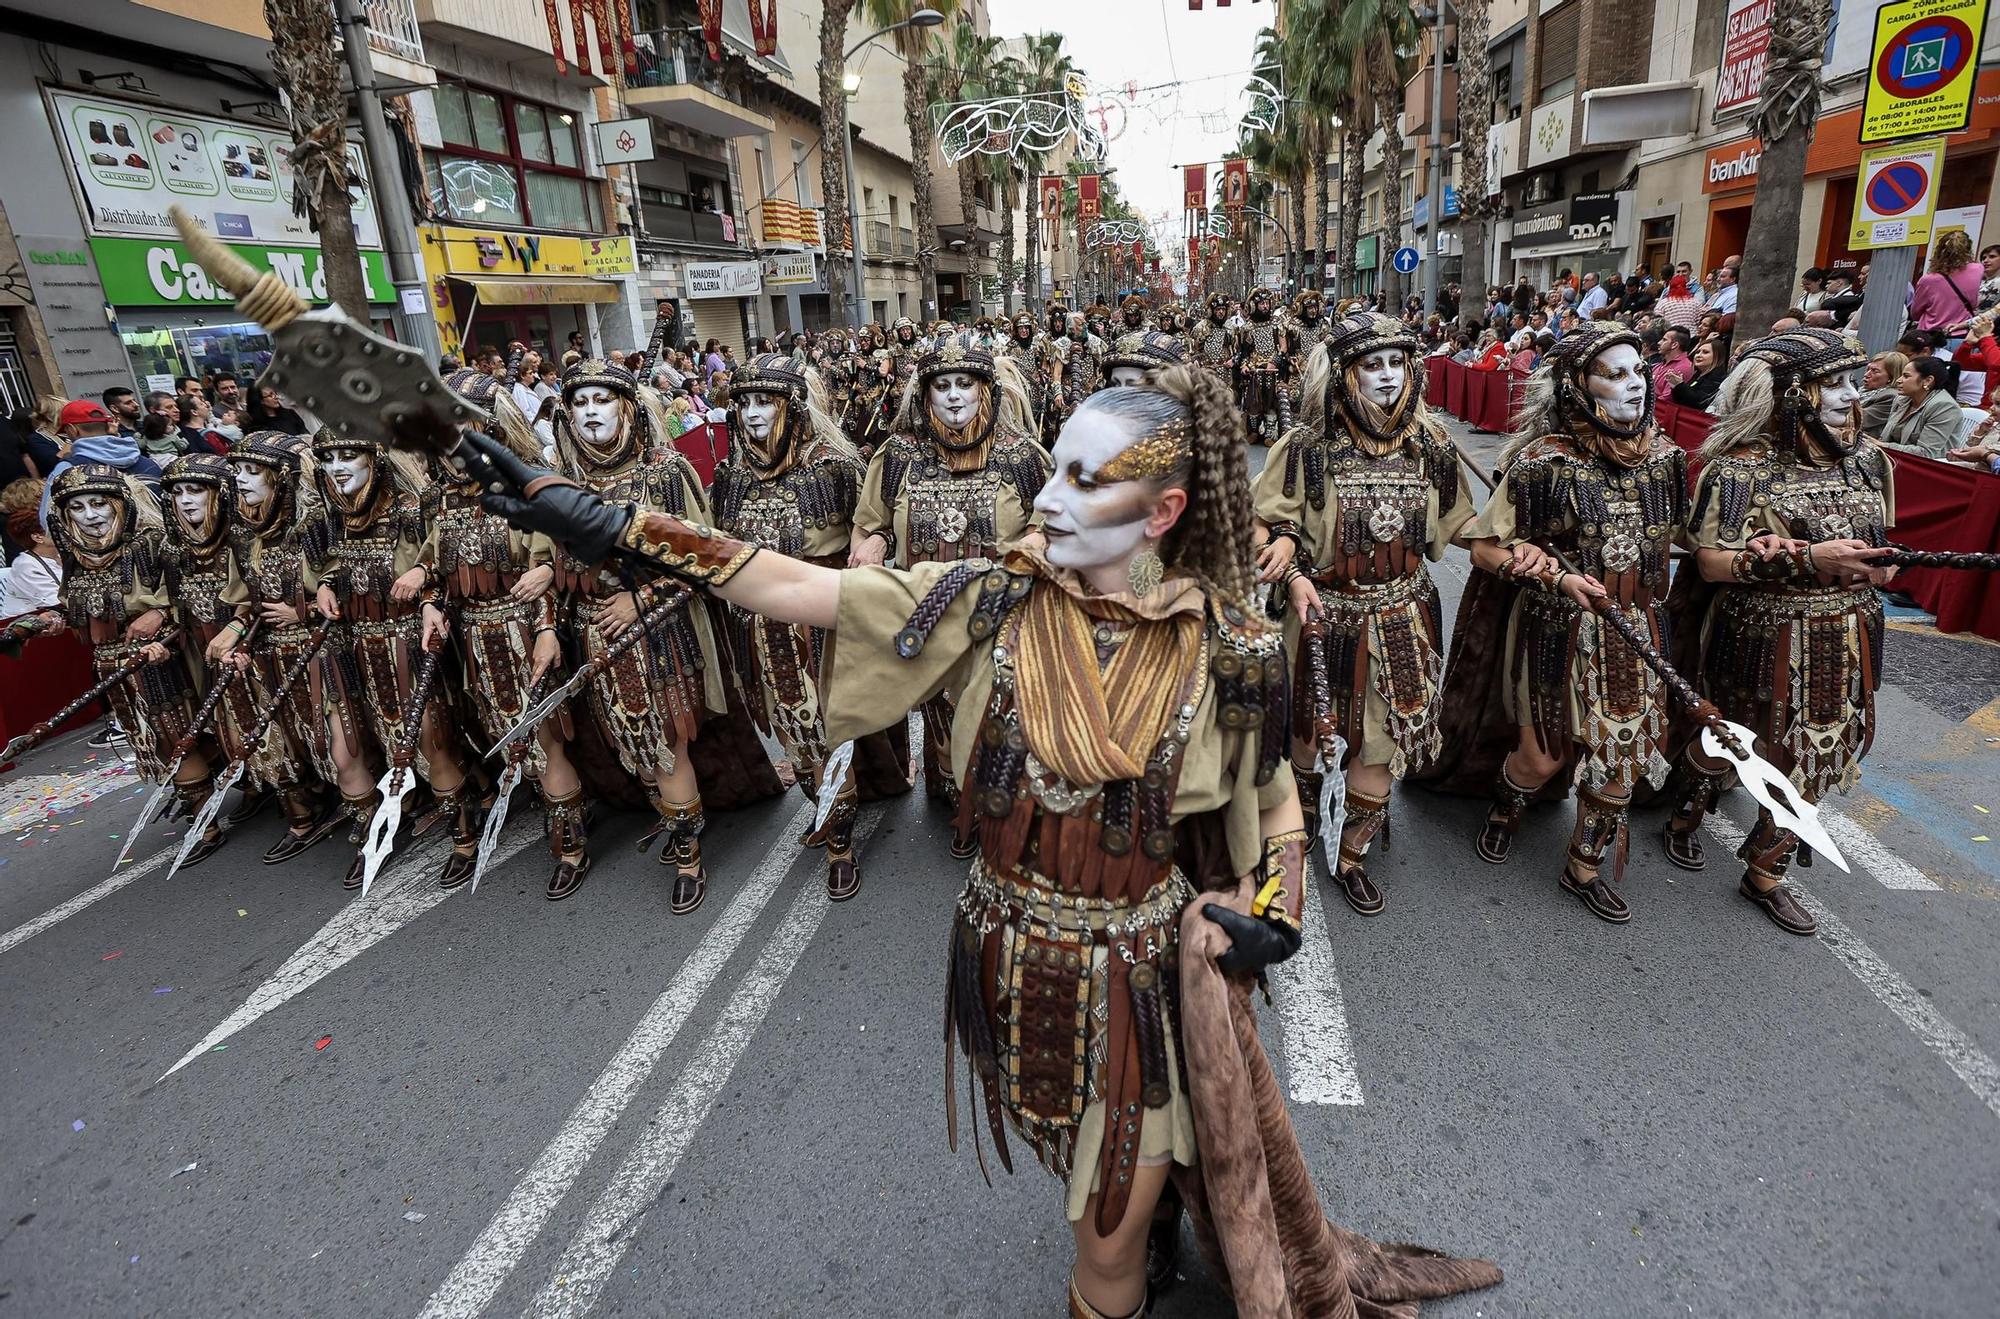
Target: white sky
1150,42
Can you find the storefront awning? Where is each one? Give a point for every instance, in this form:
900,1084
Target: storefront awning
500,291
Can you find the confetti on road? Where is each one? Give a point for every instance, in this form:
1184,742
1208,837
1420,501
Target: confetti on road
178,1171
322,1041
76,1125
1981,838
414,1217
241,912
1982,810
108,956
164,989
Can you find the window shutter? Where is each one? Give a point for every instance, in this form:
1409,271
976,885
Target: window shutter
1556,73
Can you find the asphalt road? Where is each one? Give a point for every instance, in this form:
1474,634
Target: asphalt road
430,1106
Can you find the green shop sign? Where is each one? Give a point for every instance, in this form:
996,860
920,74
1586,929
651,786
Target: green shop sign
1366,252
140,272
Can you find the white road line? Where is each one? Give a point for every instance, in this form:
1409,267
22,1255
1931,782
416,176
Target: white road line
613,1222
1319,1052
479,1275
1874,856
56,915
407,891
1974,1067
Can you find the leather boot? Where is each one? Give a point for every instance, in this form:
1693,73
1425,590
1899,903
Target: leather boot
248,807
360,811
1510,803
843,875
1681,835
1766,853
568,838
307,821
1311,783
193,796
1366,817
1082,1309
683,824
1599,833
461,807
938,781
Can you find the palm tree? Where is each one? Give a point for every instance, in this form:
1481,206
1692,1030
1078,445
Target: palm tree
968,70
303,56
913,44
1787,111
1382,37
1321,95
1044,68
1475,116
832,137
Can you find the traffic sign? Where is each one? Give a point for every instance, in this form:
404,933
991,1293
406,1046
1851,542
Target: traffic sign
1406,260
1923,67
1896,195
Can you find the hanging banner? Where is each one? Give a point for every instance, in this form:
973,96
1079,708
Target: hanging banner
580,36
1089,208
711,26
1194,191
554,17
1138,251
627,47
607,53
1236,186
764,25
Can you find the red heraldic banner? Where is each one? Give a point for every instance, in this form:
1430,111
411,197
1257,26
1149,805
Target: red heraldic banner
580,33
626,45
764,25
711,26
554,16
1089,208
1052,191
1236,185
1194,187
607,43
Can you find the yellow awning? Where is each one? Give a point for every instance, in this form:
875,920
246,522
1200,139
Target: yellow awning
497,291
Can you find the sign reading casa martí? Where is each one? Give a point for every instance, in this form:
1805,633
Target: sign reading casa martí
141,273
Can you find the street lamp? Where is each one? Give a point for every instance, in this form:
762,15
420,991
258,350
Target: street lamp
851,83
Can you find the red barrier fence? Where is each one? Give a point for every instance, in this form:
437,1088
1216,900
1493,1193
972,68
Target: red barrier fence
1939,506
51,672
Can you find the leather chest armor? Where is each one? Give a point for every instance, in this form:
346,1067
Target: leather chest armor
777,513
1212,346
196,586
949,516
1616,523
1261,345
1383,503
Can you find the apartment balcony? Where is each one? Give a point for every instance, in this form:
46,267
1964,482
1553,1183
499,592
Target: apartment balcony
1417,101
234,31
676,85
396,44
878,239
514,32
906,243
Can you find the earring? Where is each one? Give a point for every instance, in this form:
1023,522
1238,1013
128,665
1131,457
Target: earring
1145,572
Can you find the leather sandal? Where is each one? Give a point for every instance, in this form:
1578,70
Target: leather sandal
1603,902
567,877
1783,909
690,878
290,844
964,846
457,869
843,878
355,870
249,808
1496,840
206,848
1683,846
1360,891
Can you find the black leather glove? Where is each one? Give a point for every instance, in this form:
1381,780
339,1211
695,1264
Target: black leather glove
585,524
1255,941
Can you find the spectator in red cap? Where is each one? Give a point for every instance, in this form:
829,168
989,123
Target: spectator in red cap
89,435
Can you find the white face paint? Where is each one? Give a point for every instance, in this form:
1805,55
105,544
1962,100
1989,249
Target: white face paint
759,412
350,470
1128,375
1837,396
1089,525
94,518
1380,377
195,505
954,399
593,410
1617,384
253,488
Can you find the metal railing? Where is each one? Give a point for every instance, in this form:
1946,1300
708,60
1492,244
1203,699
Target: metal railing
878,238
674,57
906,242
392,29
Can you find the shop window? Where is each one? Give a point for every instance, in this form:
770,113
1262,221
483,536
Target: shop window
508,161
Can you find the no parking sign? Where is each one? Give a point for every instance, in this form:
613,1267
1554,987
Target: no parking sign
1896,195
1922,69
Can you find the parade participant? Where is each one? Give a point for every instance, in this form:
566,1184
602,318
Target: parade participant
1128,361
1308,324
1351,502
791,487
1211,340
1173,323
869,407
649,702
497,600
1057,316
1132,314
1791,499
836,372
1097,319
1586,473
1082,366
208,602
281,531
1117,728
376,580
108,529
905,347
956,480
1040,365
1262,363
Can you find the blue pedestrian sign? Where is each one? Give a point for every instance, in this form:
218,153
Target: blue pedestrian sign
1406,260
